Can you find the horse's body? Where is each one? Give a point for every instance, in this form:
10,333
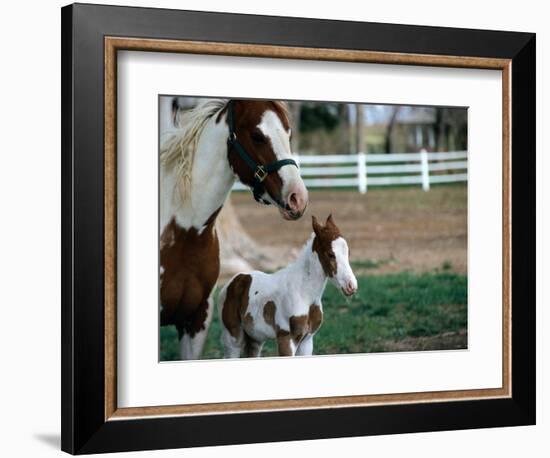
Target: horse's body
197,173
285,305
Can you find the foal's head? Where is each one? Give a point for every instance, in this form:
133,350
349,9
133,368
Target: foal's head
333,254
262,128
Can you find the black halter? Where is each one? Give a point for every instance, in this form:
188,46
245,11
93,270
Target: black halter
261,171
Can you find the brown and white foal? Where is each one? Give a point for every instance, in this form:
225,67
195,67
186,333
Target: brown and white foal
199,165
285,305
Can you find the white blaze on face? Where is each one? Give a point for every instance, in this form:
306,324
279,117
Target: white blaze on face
344,278
273,129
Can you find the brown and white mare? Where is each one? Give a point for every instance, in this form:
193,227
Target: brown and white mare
196,176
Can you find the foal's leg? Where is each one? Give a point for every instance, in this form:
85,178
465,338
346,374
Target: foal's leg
306,346
232,346
252,348
192,343
285,344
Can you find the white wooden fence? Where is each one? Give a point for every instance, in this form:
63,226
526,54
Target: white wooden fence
364,170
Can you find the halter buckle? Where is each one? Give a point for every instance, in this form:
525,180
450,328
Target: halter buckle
260,174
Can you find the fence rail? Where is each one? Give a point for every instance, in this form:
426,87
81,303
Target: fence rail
364,170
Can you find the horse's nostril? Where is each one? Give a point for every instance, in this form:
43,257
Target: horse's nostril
293,201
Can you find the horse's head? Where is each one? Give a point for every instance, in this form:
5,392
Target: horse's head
333,254
260,155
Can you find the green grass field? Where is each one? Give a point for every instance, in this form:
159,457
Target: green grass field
396,312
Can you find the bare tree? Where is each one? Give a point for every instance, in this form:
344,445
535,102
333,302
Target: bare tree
344,116
450,129
360,128
439,129
389,130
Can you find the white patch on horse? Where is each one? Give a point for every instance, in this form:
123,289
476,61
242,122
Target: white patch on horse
344,278
203,195
273,129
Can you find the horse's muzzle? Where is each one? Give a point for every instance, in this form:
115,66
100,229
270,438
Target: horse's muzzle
290,215
295,202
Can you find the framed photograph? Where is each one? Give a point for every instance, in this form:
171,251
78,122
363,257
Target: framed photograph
284,228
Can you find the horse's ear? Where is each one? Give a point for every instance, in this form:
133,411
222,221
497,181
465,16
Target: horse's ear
316,226
330,221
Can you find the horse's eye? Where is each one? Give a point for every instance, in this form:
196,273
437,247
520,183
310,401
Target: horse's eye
257,137
331,255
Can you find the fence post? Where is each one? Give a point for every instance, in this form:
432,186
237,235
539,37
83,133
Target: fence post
425,170
362,172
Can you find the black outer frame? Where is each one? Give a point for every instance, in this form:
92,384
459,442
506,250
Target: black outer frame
83,426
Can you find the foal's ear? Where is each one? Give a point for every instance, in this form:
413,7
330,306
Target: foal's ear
316,226
330,220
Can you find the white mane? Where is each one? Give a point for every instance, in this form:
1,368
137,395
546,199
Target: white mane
177,151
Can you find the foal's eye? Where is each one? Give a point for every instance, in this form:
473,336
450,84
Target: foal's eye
332,256
257,137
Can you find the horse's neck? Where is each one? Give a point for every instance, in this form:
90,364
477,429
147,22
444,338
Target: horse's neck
307,274
211,182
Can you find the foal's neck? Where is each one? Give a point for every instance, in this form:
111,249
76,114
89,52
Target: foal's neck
308,273
212,180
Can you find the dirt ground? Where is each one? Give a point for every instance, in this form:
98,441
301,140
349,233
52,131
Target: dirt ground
388,230
446,341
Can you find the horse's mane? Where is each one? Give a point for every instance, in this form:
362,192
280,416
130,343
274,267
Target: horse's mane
177,151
